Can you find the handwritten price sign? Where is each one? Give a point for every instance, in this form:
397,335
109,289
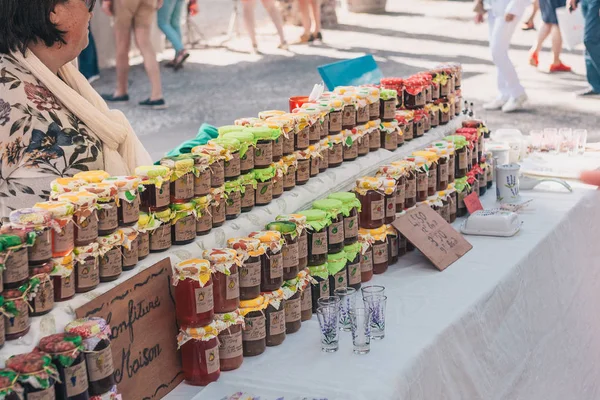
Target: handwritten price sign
141,314
433,236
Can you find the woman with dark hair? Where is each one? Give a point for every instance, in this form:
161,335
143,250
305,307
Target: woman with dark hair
52,122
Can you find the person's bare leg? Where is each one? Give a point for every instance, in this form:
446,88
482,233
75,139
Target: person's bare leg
534,11
304,16
275,15
249,20
315,6
123,45
556,44
542,35
142,39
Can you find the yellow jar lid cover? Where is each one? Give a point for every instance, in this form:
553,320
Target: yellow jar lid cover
92,176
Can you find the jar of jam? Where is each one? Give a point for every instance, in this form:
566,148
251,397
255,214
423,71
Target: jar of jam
249,251
128,206
362,106
226,287
305,288
433,110
231,348
95,334
272,259
87,274
13,255
319,284
203,174
351,207
278,179
388,99
110,261
95,176
397,172
233,190
303,169
65,185
362,140
301,238
353,258
350,145
217,156
32,227
350,109
289,251
218,206
314,154
275,317
418,125
422,180
433,170
129,248
389,135
284,128
380,249
107,197
315,123
199,354
372,101
143,227
254,333
369,192
424,115
69,360
316,228
389,189
335,229
444,198
462,190
293,309
338,274
182,177
41,291
336,150
264,188
159,233
335,114
290,165
452,199
63,233
392,239
302,130
16,319
232,155
374,135
9,387
461,156
194,299
37,374
156,183
264,138
366,255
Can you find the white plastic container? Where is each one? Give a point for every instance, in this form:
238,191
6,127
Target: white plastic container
494,222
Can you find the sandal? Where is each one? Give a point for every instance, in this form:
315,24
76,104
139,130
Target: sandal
180,59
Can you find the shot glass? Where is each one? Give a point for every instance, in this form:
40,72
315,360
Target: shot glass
580,136
361,330
329,302
328,322
347,304
372,290
566,140
552,140
537,140
376,306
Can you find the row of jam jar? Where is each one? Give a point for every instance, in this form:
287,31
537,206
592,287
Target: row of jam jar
75,365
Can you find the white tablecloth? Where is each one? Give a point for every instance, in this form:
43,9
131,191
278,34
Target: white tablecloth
299,198
515,318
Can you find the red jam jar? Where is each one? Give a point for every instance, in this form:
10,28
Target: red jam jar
32,227
110,261
271,260
87,273
37,374
249,251
42,290
157,186
254,334
231,348
108,213
275,317
62,278
389,189
63,234
16,319
13,254
199,355
183,224
128,208
289,251
85,216
369,192
226,280
194,301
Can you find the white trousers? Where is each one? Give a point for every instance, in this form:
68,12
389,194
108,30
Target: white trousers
501,33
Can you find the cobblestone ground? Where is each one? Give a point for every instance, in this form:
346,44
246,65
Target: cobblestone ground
220,84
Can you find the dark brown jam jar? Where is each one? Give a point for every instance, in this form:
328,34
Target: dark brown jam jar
36,374
316,228
290,248
254,334
302,237
249,251
156,183
271,260
422,178
350,209
275,317
369,192
183,225
182,177
335,230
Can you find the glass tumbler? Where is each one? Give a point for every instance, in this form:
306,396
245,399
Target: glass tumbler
361,330
372,290
580,137
328,322
376,306
347,297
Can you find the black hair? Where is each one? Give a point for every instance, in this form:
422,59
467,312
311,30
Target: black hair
23,22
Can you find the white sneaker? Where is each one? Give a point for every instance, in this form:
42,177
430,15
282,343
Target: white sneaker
495,104
514,103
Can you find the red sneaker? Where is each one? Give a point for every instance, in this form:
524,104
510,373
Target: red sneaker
560,68
534,59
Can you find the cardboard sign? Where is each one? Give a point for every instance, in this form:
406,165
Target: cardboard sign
473,203
433,236
141,314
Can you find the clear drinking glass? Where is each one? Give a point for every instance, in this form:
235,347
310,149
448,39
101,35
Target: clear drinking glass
329,301
372,290
537,140
328,321
347,297
361,330
580,136
566,140
376,306
551,140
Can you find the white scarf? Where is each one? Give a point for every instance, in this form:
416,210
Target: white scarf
122,149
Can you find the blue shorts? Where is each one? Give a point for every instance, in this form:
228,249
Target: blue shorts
548,10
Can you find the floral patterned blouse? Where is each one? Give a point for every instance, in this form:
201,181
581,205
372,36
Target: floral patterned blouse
40,140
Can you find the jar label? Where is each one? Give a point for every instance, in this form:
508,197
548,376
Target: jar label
277,147
2,339
420,128
374,109
19,322
212,360
293,310
451,168
335,121
336,153
108,218
263,154
443,172
204,299
131,211
445,117
389,109
390,206
324,288
422,183
288,144
319,243
218,213
432,182
277,187
76,379
204,223
354,277
247,198
363,145
391,141
202,183
233,287
232,167
400,193
185,229
351,152
362,115
247,162
462,160
255,328
163,194
230,346
289,179
380,253
130,257
99,364
377,210
234,203
325,159
336,233
63,241
87,273
184,187
366,261
143,245
303,172
290,255
461,199
411,188
111,263
314,165
349,116
393,246
218,173
434,117
276,322
409,131
16,268
47,394
340,280
44,298
250,274
374,139
306,298
314,132
482,179
67,286
264,192
325,126
351,227
88,229
303,245
276,266
445,212
302,139
42,247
